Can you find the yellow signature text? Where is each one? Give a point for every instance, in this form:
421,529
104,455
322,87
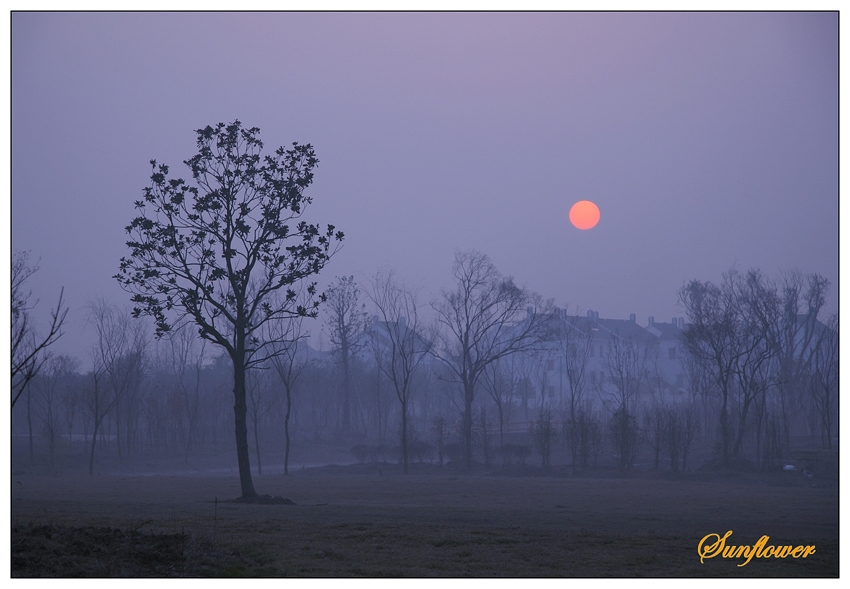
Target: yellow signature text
714,545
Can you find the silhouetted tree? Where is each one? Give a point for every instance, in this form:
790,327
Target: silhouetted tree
803,297
625,435
486,317
398,343
575,338
185,361
626,368
543,432
289,363
712,339
735,332
29,350
261,400
48,405
116,363
653,429
482,429
215,252
346,324
438,428
758,367
499,384
823,377
589,437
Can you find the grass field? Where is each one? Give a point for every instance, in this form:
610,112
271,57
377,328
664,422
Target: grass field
368,520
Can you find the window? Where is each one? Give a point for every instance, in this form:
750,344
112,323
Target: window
672,353
591,351
550,365
680,380
550,390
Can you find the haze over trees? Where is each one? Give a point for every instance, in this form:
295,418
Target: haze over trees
748,377
215,252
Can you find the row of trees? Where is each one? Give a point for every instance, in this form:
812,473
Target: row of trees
230,257
757,346
389,374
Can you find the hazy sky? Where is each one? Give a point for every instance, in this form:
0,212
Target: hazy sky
706,139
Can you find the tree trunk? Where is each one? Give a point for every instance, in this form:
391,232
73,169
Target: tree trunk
378,405
188,443
257,446
724,427
29,422
501,430
346,382
286,431
737,449
240,409
118,431
404,435
467,425
573,439
93,442
827,420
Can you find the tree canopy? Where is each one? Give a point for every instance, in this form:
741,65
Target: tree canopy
229,251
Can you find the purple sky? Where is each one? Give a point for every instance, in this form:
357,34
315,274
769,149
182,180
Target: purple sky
707,140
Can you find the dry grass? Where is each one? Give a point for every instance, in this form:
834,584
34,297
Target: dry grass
356,522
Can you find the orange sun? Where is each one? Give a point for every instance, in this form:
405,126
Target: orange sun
584,215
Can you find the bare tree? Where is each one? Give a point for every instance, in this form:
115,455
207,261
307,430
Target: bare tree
543,432
187,354
690,428
757,367
543,363
575,341
499,384
747,337
653,429
625,362
823,378
346,325
626,367
439,429
116,363
712,339
589,437
803,296
289,363
261,400
72,402
48,405
398,342
482,430
216,252
29,350
486,317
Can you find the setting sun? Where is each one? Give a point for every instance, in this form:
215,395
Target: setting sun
584,215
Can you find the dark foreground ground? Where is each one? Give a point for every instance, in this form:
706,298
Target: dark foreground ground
368,520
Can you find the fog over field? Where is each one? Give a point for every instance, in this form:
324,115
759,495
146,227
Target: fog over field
286,263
